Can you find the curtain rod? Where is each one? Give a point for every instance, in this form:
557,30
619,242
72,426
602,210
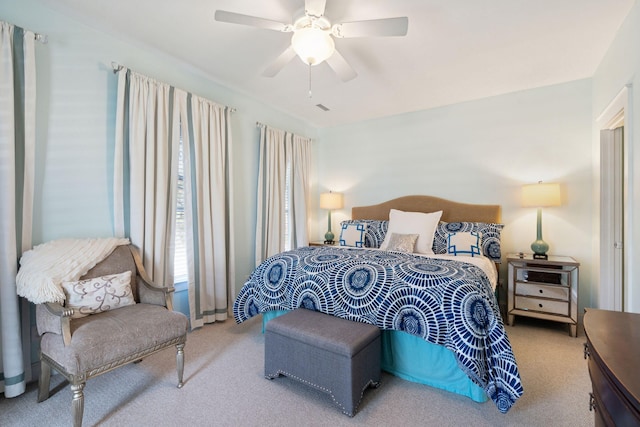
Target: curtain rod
117,67
263,126
39,37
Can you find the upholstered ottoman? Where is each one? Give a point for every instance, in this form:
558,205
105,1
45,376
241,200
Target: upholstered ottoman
338,356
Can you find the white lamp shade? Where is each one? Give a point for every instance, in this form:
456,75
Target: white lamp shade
312,45
541,195
331,201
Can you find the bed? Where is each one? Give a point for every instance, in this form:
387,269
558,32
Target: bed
440,321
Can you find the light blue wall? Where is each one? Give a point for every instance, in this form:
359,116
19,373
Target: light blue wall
75,130
621,66
478,152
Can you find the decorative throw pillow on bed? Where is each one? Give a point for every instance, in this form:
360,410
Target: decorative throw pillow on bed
464,243
422,224
374,233
353,234
489,237
100,294
402,242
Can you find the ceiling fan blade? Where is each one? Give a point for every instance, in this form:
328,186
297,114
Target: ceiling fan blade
314,7
277,65
341,67
388,27
253,21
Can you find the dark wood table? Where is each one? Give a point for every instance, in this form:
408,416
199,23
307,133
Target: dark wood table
613,349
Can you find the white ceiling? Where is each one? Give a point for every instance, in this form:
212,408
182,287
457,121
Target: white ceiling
454,51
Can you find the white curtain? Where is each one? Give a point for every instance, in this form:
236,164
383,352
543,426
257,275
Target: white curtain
300,149
152,119
145,173
272,183
17,151
208,216
283,192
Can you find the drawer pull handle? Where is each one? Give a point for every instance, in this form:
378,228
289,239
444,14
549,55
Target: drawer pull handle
587,354
586,351
540,305
541,291
592,402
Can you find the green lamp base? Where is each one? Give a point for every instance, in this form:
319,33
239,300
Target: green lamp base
328,238
540,248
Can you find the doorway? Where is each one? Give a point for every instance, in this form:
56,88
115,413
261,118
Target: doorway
614,209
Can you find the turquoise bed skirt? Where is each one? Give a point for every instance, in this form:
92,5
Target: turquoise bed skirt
416,360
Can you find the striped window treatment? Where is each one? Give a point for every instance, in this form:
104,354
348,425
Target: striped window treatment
17,151
283,192
300,148
208,208
149,179
151,119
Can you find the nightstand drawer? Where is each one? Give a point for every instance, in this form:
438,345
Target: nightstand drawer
542,291
542,305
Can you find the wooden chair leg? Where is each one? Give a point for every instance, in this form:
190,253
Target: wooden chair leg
77,404
44,381
180,363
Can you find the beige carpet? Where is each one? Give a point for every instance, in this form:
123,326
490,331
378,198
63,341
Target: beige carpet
225,387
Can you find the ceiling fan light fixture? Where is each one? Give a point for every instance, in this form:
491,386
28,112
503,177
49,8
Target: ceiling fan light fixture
312,45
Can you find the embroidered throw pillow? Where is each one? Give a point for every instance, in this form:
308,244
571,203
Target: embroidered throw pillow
422,224
374,233
464,243
402,242
489,240
353,234
99,294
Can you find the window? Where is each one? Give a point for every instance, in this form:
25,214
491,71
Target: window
180,265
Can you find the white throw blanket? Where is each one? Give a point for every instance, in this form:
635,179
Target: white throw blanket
44,268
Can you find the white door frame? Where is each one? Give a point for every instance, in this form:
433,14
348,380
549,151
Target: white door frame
609,297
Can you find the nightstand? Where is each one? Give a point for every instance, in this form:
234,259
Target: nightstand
321,244
545,289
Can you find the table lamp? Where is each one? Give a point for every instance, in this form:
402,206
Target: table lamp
539,196
330,201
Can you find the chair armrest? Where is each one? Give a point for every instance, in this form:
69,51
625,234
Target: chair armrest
53,317
149,292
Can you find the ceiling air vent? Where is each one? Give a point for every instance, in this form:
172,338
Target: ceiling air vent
322,107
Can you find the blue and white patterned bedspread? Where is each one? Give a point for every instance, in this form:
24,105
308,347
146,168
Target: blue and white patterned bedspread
446,302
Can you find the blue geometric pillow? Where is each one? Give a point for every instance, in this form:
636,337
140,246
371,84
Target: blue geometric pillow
353,234
375,232
463,243
489,240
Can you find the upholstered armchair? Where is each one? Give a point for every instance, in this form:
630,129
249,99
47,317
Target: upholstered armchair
82,348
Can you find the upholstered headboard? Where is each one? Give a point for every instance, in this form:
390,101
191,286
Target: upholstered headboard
451,211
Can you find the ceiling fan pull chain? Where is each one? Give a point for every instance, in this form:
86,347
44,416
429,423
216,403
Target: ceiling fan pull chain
310,94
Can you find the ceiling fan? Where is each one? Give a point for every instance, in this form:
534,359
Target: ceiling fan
313,35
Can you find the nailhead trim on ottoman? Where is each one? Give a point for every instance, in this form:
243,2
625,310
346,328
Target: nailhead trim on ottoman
337,356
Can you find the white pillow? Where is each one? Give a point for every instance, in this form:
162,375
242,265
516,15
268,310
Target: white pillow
99,294
422,224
